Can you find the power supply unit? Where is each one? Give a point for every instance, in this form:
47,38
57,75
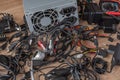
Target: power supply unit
43,15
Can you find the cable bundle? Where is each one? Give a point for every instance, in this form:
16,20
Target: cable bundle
11,65
99,65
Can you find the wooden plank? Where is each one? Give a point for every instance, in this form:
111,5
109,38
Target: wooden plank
14,7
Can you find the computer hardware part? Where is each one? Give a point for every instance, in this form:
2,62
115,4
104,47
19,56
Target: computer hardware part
43,15
110,5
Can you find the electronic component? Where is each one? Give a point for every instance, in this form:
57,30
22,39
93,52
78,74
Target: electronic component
3,37
110,5
39,56
110,39
43,15
99,69
116,56
39,59
106,20
75,70
7,23
58,74
68,11
118,36
92,13
9,63
103,53
109,24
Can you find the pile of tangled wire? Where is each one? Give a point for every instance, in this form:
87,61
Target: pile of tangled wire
58,45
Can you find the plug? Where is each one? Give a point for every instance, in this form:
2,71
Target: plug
39,56
110,39
3,37
40,44
96,41
50,45
78,56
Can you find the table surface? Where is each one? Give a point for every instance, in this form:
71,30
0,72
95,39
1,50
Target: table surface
15,7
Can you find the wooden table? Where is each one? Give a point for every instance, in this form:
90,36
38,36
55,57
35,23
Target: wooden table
15,7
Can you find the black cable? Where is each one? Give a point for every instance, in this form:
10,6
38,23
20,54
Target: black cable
3,46
16,35
7,23
99,65
9,64
82,69
91,75
78,70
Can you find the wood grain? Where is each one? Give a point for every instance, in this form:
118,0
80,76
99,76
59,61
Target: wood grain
15,7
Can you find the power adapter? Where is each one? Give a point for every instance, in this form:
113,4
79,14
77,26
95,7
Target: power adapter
116,56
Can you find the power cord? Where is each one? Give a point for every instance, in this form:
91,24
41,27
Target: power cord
99,65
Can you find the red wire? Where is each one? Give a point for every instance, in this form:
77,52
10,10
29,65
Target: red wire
113,13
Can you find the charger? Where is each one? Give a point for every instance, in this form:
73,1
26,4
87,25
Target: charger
116,56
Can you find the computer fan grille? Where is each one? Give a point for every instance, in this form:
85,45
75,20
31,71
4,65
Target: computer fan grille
44,21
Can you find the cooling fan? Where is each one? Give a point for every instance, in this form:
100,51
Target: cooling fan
39,18
43,15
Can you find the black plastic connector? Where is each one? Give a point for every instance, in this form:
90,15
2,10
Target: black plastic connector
116,56
58,74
